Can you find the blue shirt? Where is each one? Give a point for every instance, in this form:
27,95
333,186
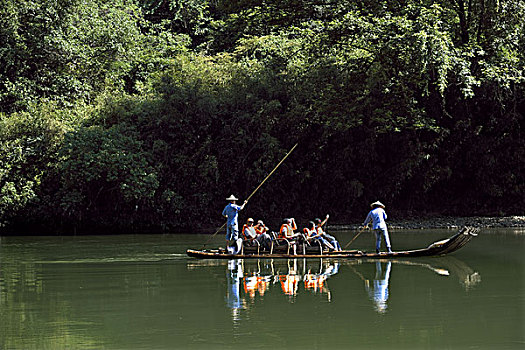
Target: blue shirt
378,217
232,212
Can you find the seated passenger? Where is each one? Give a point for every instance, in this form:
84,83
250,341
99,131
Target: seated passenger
310,230
286,232
325,235
248,231
256,233
287,229
312,233
260,228
263,238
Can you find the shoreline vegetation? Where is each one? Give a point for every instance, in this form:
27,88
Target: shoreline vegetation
424,223
144,115
437,222
447,222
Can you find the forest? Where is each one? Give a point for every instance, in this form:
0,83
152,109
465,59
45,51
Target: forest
144,115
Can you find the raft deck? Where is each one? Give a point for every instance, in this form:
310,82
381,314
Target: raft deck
443,247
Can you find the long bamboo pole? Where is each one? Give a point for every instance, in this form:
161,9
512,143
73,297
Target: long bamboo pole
355,237
258,187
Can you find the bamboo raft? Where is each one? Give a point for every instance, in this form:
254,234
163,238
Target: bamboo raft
286,250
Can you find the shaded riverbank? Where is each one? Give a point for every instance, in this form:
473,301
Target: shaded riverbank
447,223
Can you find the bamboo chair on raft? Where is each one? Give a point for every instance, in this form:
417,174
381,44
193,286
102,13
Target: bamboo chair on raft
300,245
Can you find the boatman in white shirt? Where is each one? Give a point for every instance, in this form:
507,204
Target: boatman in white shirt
231,211
378,216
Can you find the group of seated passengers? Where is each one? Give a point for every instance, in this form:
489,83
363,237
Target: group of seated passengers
314,232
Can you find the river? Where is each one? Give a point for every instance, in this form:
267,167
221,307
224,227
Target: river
143,292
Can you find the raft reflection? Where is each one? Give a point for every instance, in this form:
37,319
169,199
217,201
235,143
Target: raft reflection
377,287
258,278
249,280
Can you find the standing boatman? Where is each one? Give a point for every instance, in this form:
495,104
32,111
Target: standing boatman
378,216
231,211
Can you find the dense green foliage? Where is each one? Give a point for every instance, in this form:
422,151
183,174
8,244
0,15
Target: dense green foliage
144,115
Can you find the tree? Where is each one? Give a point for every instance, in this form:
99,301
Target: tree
105,177
64,50
29,142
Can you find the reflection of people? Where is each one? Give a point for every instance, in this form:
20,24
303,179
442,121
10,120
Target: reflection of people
314,282
378,216
331,269
244,281
289,284
317,282
233,277
255,282
290,281
378,290
263,284
250,285
231,211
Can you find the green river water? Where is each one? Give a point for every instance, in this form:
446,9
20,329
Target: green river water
143,292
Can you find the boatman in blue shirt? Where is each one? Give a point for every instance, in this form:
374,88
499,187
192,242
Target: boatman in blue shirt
231,211
378,216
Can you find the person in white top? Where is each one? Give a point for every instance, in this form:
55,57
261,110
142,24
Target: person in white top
378,216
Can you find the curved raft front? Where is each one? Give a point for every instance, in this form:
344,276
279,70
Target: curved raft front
443,247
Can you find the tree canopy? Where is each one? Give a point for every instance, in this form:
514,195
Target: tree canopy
145,114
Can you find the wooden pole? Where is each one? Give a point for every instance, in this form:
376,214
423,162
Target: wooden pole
254,191
355,237
270,174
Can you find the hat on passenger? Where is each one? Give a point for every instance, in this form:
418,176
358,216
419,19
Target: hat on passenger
249,220
232,198
377,204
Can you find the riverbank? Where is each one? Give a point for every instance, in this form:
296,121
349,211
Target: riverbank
447,223
444,222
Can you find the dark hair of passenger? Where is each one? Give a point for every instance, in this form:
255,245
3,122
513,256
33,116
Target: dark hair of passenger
317,221
311,224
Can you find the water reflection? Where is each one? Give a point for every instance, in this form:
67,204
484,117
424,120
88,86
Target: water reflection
247,279
378,289
130,292
250,280
234,275
316,282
